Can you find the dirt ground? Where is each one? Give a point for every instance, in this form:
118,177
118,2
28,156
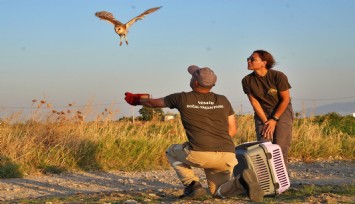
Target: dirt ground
153,183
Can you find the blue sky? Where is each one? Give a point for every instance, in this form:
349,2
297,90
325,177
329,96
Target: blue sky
61,52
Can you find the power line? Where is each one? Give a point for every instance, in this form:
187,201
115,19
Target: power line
322,99
58,107
304,99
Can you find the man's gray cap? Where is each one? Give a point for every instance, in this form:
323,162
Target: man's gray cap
205,76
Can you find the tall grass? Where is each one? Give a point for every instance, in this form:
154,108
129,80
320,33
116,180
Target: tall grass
87,146
312,141
53,144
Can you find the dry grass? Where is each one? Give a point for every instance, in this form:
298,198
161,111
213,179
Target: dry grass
62,140
312,141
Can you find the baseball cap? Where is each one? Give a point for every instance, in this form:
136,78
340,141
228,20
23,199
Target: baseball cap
205,76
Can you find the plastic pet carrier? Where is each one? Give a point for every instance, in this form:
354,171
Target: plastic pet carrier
267,161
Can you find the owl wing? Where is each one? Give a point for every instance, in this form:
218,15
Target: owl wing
141,16
104,15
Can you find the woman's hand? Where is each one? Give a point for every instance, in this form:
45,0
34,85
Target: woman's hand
269,129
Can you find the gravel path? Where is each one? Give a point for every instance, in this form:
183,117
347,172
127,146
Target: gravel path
35,186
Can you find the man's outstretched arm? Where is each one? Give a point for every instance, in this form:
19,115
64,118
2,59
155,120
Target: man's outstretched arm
145,100
153,102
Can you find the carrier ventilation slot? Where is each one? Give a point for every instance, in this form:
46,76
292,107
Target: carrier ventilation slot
280,168
262,172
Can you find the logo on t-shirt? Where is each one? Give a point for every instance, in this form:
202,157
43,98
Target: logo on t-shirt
204,105
272,92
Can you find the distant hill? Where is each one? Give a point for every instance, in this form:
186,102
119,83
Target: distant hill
347,108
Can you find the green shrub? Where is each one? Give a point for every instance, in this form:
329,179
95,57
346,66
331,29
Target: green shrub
345,124
8,169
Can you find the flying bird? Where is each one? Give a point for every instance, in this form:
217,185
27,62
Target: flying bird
120,28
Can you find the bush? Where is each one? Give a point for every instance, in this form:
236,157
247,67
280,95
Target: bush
9,169
345,124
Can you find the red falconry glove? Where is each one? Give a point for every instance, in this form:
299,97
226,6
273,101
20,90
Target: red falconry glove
134,99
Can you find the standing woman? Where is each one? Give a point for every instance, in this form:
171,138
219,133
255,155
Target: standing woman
268,93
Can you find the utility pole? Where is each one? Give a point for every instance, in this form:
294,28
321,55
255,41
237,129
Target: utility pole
133,114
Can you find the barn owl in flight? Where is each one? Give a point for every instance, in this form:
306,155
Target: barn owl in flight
121,28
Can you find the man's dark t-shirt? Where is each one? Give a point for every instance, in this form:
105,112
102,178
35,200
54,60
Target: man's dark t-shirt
205,119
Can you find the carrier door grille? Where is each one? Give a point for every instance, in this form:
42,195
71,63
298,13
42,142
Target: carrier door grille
262,172
279,168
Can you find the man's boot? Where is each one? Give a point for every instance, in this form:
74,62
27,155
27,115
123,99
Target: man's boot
229,189
250,183
193,190
246,181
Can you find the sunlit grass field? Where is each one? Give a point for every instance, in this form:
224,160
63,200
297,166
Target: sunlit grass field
56,141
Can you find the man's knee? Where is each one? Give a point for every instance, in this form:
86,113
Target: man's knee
172,149
168,151
178,150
